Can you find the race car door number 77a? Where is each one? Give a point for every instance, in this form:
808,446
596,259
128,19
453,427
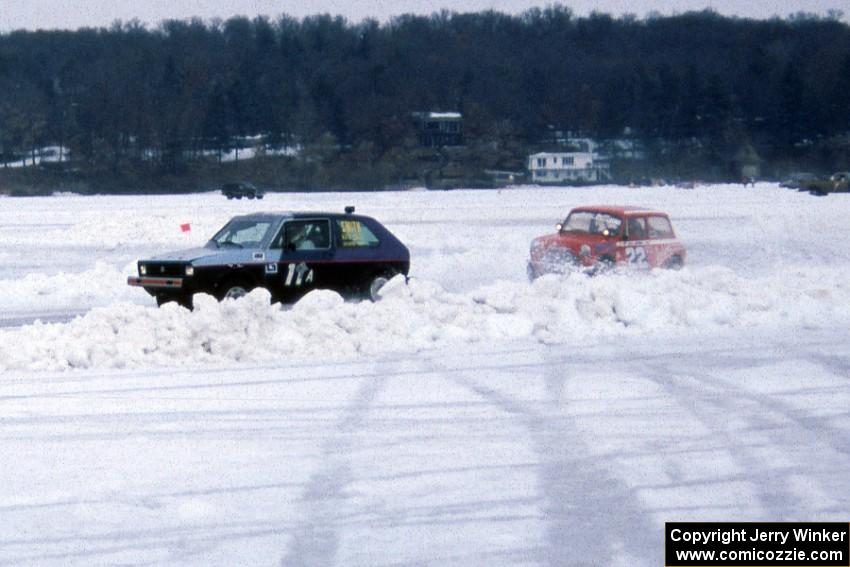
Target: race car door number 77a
298,274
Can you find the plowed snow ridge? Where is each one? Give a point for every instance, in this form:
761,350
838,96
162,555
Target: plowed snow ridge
422,316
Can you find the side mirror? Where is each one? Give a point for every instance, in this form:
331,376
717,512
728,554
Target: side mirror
290,247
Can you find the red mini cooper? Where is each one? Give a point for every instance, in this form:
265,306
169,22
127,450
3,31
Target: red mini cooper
600,237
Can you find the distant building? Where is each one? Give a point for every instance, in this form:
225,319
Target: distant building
568,167
438,129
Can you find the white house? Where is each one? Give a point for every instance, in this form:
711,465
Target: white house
568,167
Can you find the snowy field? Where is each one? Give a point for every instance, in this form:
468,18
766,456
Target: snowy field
468,418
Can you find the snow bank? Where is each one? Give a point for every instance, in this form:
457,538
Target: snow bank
38,292
423,316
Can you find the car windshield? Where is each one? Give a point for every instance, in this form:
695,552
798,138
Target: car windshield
591,222
242,233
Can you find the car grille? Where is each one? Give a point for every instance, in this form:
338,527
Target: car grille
165,269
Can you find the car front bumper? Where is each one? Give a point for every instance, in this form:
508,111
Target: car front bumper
155,283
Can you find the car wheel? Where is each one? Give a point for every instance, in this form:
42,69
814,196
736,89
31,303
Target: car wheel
233,289
250,196
230,197
374,289
260,196
674,263
235,292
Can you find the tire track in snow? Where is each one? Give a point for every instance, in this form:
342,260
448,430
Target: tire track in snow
316,538
23,319
594,518
769,423
713,413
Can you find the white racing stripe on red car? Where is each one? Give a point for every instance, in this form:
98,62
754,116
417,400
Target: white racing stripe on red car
646,242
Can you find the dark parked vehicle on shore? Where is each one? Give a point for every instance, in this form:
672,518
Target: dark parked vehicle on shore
289,254
798,180
242,189
837,183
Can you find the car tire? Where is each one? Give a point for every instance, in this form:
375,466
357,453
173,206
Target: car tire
250,196
674,263
233,289
373,290
260,196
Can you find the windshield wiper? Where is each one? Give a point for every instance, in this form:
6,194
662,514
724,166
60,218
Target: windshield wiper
232,244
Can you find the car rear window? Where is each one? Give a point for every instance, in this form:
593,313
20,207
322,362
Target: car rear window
355,234
659,227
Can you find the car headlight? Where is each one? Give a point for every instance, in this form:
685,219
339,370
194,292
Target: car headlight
585,250
190,271
143,270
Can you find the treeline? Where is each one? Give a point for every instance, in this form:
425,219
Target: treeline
140,103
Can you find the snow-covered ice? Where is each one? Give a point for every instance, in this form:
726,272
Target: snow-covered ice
468,418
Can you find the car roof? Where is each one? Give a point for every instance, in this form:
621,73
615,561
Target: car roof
278,215
618,210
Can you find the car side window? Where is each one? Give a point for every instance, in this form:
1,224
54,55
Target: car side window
659,227
355,234
312,234
637,228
